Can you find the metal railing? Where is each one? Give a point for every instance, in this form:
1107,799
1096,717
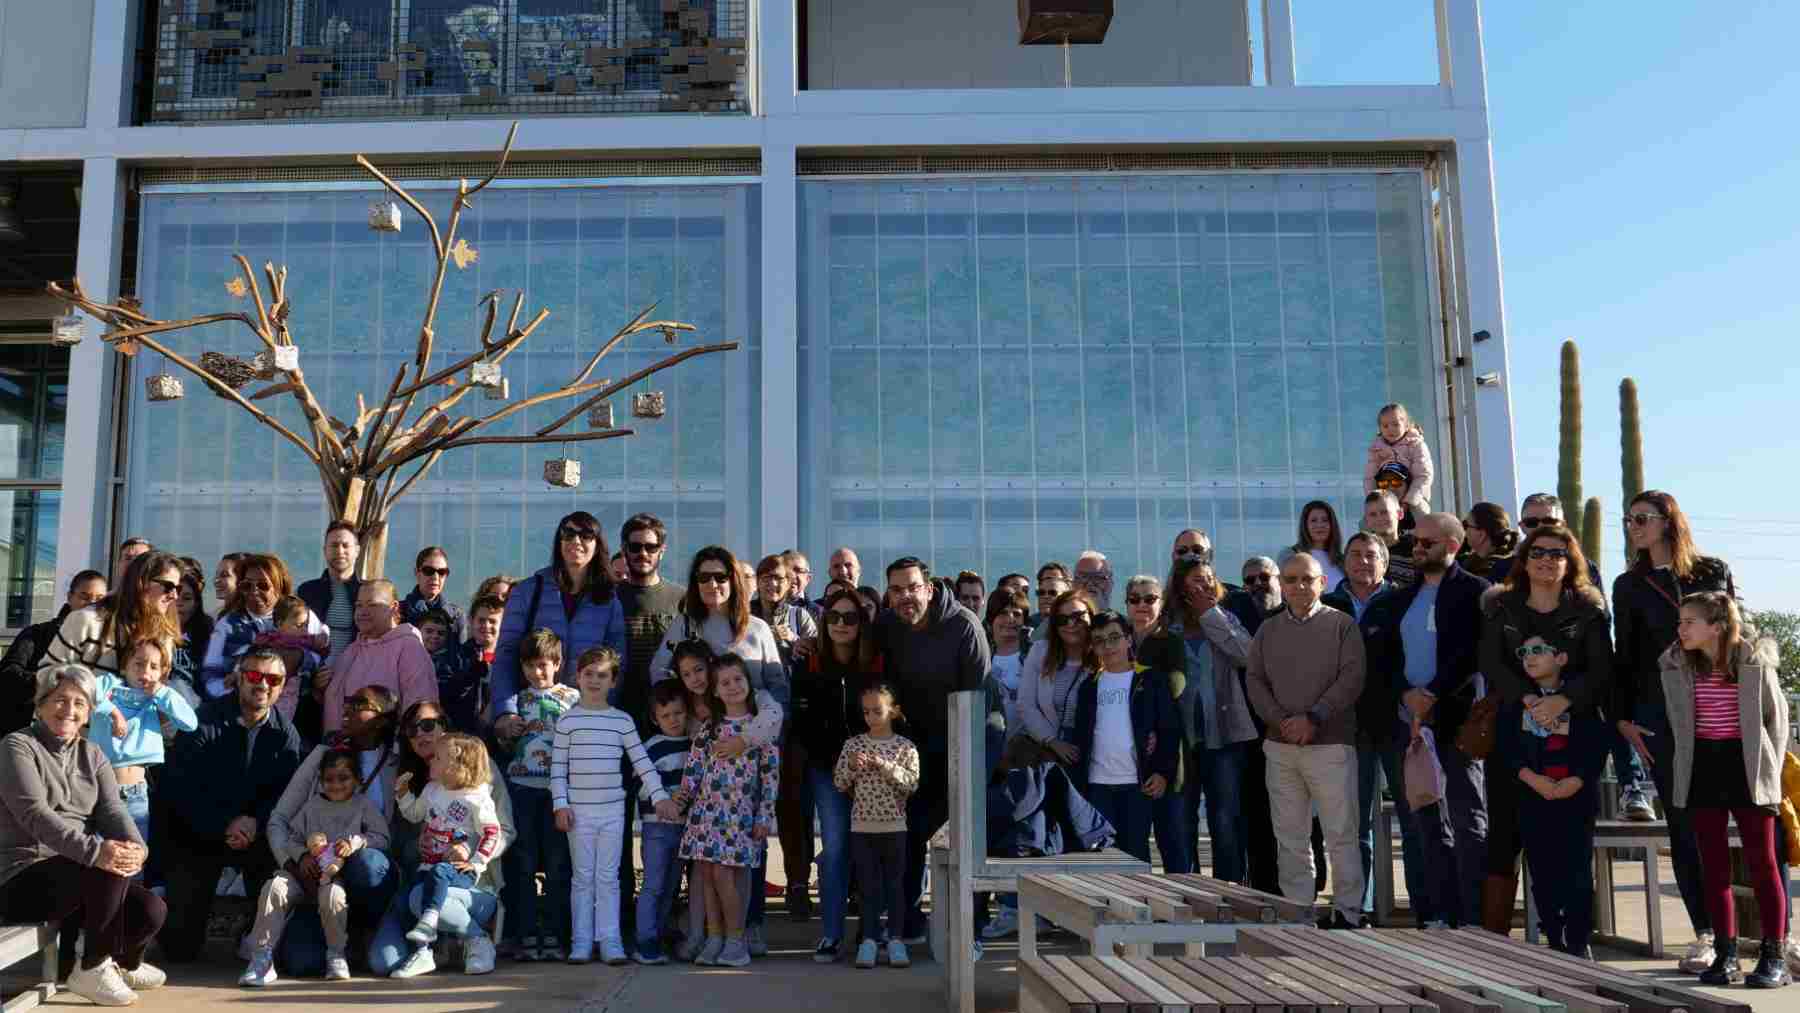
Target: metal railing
236,60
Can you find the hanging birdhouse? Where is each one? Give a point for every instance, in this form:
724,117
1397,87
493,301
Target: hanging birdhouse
163,387
384,216
287,357
649,405
66,332
500,391
1055,22
600,416
230,370
563,472
485,375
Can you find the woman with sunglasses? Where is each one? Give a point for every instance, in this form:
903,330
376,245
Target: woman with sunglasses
1491,538
573,597
368,876
1665,568
828,687
431,571
143,607
468,912
1546,595
263,580
1052,672
1126,731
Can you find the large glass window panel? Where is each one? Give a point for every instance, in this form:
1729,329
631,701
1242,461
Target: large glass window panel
205,478
29,554
1101,361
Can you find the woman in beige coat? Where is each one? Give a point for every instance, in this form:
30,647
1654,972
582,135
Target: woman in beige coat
1729,722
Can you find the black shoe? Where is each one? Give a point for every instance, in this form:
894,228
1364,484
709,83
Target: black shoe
1336,920
1724,969
1771,967
799,903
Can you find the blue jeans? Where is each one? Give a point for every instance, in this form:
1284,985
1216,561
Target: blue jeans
1127,808
540,847
1217,777
1368,790
466,913
1628,769
368,878
1168,815
137,805
662,875
435,882
833,808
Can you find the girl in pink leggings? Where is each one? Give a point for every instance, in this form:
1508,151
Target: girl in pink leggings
1729,721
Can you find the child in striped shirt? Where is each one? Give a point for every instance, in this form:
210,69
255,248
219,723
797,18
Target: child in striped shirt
668,751
587,787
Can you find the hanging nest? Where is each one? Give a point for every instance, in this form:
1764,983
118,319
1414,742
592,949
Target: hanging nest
232,371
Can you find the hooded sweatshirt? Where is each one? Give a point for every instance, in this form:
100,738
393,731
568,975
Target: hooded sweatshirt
1410,450
948,654
396,660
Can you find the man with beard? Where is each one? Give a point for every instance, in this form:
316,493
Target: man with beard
1260,596
1381,516
1429,652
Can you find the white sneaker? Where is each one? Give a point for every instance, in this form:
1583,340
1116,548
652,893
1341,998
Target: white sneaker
144,977
1790,951
1005,924
425,931
421,961
261,972
101,985
478,955
1699,955
336,967
865,953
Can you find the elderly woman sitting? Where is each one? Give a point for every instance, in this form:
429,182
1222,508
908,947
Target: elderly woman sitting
67,845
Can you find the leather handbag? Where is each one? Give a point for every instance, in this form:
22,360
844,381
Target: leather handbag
1476,736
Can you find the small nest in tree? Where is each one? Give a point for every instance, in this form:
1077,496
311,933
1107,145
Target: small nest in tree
229,370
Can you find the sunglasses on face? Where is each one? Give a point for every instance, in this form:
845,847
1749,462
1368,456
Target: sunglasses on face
837,618
256,678
1259,578
167,587
642,548
1534,650
1538,552
361,705
434,571
1531,522
427,726
578,535
252,585
1142,599
1642,518
713,577
1079,618
1191,550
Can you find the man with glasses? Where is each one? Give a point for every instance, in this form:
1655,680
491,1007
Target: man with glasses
1306,670
1094,575
1428,651
799,575
1260,596
386,652
220,784
1052,580
332,595
650,604
1539,509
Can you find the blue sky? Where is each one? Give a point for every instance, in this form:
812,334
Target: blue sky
1647,159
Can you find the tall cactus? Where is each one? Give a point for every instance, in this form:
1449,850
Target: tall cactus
1591,535
1568,448
1631,442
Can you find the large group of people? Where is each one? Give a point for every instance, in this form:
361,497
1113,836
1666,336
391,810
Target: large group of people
382,771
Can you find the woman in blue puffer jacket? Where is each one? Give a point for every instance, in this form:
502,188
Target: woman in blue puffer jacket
573,597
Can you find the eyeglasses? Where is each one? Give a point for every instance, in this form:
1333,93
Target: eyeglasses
1531,522
1296,579
1259,578
712,577
1539,552
1191,550
801,571
833,617
1066,618
1534,650
256,678
427,726
1142,599
168,587
908,589
643,548
578,535
434,571
1643,517
247,585
360,705
1108,639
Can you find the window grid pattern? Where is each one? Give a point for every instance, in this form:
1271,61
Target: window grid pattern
1001,372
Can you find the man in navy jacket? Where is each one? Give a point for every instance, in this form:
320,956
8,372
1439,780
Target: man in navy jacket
1428,649
222,781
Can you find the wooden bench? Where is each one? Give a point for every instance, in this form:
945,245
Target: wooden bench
961,868
1103,984
1132,913
22,942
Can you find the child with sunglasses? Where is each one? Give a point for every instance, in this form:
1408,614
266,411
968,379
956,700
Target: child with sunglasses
1554,771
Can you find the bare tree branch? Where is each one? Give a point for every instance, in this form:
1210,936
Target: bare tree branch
401,192
267,331
499,167
571,438
613,388
226,392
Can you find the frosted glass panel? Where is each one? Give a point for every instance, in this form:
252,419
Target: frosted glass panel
999,372
206,479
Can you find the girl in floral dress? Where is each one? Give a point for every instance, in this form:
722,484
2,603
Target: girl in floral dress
729,787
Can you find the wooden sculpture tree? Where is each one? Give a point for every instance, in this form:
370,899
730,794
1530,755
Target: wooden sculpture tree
360,462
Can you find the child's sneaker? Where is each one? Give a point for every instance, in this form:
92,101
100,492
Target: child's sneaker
865,953
1004,924
261,972
649,952
613,952
709,954
336,967
897,955
426,931
735,954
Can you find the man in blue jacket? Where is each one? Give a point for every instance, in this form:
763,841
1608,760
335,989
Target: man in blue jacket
222,781
1428,651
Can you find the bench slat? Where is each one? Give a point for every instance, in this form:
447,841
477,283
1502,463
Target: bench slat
1257,980
1042,988
1299,942
1055,897
1132,971
1089,985
1364,996
1197,999
1213,970
1558,984
1230,1001
1139,1000
1699,1002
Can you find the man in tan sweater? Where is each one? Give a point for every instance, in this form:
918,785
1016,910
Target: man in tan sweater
1306,671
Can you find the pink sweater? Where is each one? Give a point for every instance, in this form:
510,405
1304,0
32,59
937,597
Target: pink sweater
1412,452
396,660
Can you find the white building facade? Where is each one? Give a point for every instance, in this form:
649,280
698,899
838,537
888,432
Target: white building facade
986,318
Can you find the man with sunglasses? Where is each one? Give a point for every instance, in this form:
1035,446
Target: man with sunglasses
650,604
221,783
1539,509
1259,598
1428,650
386,653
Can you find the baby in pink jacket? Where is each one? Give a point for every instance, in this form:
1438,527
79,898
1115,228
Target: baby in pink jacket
1400,441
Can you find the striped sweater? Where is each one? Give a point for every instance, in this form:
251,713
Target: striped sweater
668,754
586,768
